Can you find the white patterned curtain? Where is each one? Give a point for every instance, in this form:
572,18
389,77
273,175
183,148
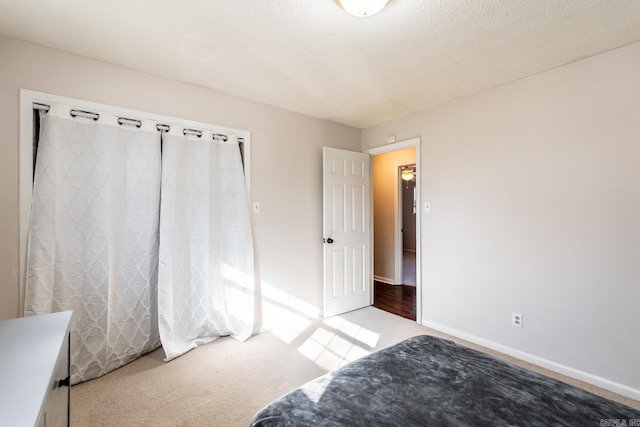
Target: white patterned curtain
205,287
93,243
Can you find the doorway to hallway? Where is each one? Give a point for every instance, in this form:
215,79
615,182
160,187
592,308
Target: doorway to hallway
394,222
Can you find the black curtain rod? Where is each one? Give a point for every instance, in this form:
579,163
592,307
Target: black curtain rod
137,123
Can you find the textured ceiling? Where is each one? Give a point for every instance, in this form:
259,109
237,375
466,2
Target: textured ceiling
311,56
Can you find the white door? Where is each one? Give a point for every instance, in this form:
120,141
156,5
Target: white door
346,231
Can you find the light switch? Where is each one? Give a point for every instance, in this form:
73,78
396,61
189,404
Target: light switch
256,207
427,207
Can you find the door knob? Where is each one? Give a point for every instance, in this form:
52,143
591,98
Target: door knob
329,240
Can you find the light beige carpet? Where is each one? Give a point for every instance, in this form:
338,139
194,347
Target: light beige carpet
225,382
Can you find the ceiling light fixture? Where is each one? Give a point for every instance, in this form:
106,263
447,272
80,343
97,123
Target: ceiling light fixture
363,8
408,173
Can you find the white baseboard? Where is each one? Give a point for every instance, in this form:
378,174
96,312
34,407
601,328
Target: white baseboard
384,280
556,367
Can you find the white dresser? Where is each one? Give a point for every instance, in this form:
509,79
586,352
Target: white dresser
34,371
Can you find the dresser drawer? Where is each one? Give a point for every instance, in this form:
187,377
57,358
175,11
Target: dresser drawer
34,370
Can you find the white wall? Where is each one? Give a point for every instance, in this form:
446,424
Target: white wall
535,208
286,162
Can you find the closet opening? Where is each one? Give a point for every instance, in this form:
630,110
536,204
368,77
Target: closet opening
91,221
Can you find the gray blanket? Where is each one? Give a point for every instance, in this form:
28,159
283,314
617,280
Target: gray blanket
428,381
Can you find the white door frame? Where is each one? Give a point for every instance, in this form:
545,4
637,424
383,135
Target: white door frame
408,143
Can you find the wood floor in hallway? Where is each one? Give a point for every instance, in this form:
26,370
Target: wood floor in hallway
396,299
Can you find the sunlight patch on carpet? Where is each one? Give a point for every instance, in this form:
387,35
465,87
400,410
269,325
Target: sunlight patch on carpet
285,315
360,333
337,343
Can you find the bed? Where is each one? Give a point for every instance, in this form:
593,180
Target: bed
425,381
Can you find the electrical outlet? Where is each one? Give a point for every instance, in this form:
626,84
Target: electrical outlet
516,320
